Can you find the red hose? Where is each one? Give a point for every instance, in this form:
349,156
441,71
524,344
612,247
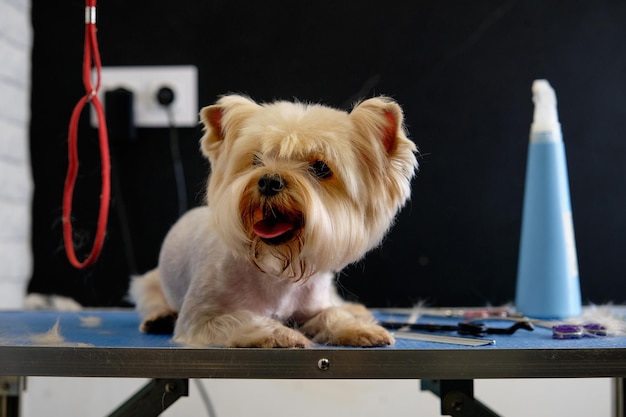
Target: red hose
91,52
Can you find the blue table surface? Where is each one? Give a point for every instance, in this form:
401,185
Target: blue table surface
119,329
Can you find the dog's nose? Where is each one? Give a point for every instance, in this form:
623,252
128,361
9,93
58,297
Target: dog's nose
270,184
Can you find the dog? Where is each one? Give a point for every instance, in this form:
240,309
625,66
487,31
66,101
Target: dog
296,193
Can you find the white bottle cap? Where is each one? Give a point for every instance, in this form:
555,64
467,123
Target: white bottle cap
545,118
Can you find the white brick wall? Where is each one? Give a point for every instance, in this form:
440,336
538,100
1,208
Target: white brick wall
15,176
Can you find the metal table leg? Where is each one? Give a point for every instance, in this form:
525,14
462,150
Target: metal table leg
11,388
457,398
619,391
153,398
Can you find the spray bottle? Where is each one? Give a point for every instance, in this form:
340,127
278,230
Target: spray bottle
548,284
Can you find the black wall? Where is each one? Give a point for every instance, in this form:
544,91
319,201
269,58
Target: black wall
462,72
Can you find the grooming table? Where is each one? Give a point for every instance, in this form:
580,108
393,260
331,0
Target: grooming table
106,343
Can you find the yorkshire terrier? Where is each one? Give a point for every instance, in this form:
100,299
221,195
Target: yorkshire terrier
296,193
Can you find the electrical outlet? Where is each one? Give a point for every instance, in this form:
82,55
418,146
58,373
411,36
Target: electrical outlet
144,82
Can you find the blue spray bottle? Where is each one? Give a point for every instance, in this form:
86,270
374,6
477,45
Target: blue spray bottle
548,285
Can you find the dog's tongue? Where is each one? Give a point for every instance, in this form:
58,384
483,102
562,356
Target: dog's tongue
271,228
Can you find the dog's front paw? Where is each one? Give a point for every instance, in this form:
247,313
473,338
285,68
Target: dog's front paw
238,329
362,336
269,337
337,326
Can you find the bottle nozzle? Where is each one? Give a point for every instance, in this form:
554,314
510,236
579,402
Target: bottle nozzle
545,117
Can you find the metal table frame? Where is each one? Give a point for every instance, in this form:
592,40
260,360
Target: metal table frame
340,363
447,373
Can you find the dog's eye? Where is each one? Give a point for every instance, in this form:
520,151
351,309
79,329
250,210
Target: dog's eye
256,161
321,170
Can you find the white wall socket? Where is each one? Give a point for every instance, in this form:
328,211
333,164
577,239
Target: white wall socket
144,82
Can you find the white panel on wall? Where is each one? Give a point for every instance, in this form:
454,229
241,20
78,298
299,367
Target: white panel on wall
15,175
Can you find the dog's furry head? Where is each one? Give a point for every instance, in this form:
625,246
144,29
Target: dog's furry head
300,189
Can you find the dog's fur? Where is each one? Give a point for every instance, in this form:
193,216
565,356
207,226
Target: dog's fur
297,192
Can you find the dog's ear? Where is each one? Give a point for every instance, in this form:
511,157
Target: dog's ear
223,120
381,118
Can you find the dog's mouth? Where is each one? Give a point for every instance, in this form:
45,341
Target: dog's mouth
276,228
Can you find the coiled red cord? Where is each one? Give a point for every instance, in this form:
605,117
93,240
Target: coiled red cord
91,52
